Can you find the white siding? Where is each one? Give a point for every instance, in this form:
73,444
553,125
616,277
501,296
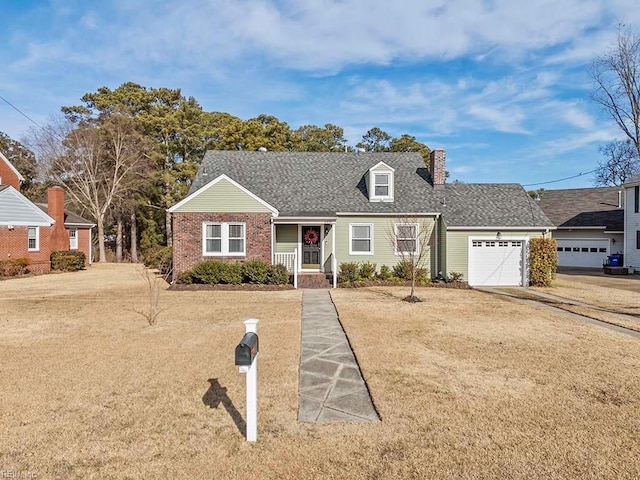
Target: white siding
631,226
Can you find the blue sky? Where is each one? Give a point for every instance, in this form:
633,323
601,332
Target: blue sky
502,85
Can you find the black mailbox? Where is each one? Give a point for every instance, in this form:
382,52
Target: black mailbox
247,350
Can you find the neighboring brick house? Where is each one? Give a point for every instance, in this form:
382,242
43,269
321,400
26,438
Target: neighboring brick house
34,231
313,211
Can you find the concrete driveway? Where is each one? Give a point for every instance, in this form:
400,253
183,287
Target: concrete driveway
596,276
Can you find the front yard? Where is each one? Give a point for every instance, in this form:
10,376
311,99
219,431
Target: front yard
468,385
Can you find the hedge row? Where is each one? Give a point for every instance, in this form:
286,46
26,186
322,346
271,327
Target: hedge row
214,272
350,272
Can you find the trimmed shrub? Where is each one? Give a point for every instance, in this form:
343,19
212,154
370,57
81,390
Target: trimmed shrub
13,267
368,271
185,278
402,270
231,274
543,261
209,271
278,275
160,258
349,272
422,276
67,261
385,273
256,271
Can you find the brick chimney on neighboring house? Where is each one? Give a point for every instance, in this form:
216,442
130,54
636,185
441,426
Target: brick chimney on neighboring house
59,238
436,167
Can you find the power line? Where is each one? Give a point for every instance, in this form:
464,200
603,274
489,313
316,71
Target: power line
20,112
559,180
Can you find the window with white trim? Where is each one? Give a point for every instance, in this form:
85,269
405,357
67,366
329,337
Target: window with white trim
33,239
360,239
73,239
224,239
381,184
406,236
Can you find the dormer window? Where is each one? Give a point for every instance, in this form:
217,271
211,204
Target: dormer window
380,183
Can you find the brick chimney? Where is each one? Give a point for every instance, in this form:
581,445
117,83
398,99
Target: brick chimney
436,167
59,238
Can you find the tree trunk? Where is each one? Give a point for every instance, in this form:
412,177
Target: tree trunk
103,255
134,237
119,239
169,230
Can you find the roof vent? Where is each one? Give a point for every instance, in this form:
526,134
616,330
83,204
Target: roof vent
262,149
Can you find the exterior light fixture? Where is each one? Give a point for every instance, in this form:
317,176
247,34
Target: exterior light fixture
498,236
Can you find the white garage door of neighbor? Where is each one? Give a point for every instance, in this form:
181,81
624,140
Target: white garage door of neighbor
495,262
582,253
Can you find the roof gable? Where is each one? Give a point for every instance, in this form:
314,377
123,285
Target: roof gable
11,167
16,209
210,196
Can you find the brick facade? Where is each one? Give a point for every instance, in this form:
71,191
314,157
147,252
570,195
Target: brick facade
187,237
7,175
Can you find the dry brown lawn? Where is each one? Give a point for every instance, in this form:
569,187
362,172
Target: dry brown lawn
468,385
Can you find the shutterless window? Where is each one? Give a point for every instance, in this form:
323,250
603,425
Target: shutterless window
406,238
73,239
32,238
381,184
213,238
361,239
236,238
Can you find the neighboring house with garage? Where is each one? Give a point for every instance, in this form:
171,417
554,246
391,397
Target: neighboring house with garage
34,231
632,224
314,211
589,224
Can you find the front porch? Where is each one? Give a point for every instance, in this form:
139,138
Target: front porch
307,248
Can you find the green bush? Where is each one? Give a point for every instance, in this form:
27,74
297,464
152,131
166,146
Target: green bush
185,278
256,271
385,273
231,273
278,275
422,276
67,261
349,272
160,258
368,271
16,266
402,270
543,261
209,271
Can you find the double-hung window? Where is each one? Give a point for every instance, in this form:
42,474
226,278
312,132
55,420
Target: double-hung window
33,239
73,239
224,239
382,185
361,239
406,238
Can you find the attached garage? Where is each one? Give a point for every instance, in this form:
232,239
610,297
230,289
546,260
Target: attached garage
582,252
495,262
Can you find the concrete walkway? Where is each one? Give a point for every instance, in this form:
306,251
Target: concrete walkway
331,385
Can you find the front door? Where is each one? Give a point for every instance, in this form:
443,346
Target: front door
311,247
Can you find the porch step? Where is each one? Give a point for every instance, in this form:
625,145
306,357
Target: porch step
314,280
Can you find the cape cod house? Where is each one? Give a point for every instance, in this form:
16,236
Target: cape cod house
313,211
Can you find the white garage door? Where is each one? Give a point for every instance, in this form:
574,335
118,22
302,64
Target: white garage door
495,262
582,253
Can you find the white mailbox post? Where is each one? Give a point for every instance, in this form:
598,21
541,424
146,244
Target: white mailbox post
246,357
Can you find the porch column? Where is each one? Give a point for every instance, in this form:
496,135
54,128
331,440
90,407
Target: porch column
334,260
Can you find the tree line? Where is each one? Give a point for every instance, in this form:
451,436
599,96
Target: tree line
126,155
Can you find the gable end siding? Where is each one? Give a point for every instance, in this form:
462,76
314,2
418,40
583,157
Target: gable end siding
223,197
631,227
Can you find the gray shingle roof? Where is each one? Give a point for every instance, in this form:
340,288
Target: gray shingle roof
490,204
70,218
319,184
584,207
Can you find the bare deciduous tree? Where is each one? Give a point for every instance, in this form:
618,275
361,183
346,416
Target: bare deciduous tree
621,162
411,240
617,84
97,163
